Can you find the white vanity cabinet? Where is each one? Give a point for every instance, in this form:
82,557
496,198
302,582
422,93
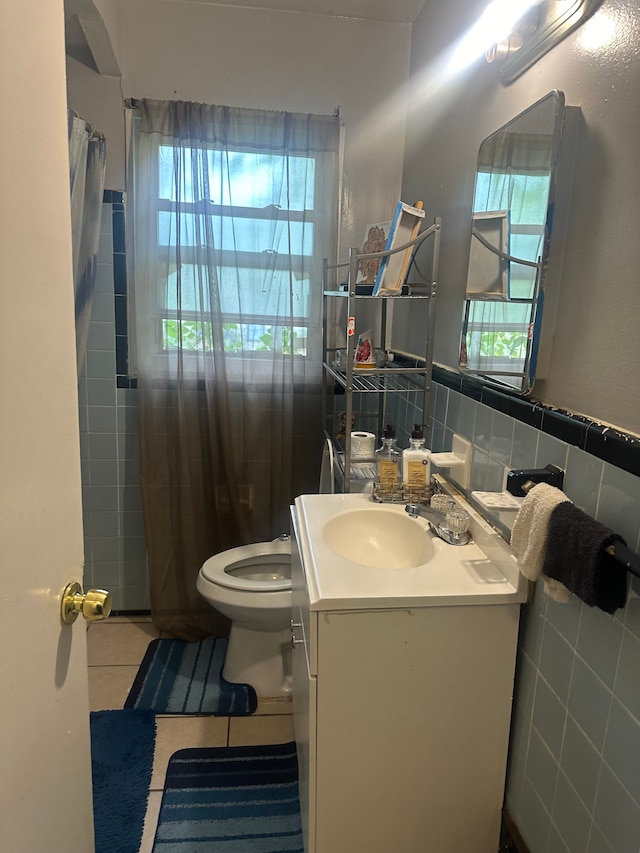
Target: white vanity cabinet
401,719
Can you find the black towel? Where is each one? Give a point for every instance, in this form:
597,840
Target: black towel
576,556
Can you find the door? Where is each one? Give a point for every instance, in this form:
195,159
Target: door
45,782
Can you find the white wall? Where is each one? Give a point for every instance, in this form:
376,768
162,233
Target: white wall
596,350
267,60
99,101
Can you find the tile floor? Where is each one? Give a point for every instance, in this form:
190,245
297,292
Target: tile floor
115,649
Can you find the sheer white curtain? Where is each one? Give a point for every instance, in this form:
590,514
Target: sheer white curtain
234,210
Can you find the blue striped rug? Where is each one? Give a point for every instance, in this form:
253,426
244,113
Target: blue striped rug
176,677
240,799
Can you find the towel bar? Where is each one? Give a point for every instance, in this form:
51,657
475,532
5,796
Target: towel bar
521,482
629,559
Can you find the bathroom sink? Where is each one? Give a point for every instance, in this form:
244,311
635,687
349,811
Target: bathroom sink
358,554
378,538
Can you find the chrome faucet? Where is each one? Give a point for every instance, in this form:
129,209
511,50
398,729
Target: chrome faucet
450,526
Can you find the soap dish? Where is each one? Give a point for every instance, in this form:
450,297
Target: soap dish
458,460
497,501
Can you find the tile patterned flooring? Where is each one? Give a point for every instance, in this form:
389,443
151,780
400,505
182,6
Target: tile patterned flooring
115,650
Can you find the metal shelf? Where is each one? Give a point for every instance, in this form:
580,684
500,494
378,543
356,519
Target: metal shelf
380,380
345,294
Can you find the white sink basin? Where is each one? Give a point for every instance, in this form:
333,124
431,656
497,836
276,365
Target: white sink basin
378,538
358,555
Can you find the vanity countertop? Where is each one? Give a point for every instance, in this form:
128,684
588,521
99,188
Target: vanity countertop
482,572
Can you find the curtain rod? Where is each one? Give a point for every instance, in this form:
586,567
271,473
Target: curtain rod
91,129
132,104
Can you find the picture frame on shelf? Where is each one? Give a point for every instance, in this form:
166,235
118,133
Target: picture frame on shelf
394,268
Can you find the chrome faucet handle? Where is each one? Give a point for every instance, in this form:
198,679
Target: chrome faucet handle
442,502
457,520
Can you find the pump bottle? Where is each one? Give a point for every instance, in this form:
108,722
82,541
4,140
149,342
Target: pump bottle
416,462
388,460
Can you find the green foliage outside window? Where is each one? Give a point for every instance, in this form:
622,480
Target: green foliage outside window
503,344
195,336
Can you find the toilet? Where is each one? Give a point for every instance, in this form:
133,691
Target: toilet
251,586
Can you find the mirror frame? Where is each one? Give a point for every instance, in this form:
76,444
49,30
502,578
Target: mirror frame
531,359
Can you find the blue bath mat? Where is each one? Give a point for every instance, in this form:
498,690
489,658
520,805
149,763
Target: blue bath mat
176,677
231,799
122,747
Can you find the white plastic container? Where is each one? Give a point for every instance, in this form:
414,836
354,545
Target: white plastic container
416,463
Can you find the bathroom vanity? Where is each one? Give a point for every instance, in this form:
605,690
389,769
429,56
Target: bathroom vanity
403,666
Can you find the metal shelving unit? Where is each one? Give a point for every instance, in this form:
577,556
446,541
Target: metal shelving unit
390,379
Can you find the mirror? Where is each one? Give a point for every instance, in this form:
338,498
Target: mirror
511,230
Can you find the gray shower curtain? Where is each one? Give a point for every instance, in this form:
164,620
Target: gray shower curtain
233,211
87,165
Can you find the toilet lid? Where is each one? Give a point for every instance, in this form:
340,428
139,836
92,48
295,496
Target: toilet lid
262,567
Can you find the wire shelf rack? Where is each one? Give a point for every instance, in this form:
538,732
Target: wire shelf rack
383,380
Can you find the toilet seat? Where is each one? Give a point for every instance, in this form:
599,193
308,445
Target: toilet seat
230,568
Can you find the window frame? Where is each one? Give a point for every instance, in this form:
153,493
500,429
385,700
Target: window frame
291,262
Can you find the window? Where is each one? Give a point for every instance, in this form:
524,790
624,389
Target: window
259,245
232,237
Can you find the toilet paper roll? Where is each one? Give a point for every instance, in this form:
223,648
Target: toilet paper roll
363,445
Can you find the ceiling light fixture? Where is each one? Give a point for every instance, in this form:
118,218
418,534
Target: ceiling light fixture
495,25
534,33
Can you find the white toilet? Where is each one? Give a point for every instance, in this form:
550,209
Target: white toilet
251,585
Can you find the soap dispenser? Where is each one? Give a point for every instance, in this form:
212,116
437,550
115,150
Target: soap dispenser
416,462
388,461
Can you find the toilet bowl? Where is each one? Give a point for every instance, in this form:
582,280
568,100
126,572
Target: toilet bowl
251,586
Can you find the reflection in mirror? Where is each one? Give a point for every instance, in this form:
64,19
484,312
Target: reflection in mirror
511,229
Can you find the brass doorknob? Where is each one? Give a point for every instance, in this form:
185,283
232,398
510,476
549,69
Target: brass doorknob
94,604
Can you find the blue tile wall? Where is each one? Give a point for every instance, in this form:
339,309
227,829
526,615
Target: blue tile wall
115,557
573,781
